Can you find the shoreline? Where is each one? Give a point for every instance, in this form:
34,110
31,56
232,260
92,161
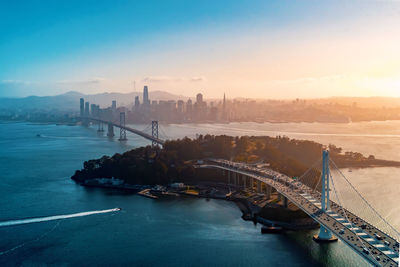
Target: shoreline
75,123
250,210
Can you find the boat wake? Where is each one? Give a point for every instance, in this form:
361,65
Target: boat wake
46,219
56,217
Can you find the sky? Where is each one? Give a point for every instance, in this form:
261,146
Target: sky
253,49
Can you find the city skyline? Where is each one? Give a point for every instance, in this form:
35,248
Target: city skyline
260,50
223,110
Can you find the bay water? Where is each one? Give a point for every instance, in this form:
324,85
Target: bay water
37,160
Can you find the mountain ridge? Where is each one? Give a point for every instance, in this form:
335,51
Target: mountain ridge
69,101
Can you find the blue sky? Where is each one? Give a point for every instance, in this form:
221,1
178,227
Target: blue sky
50,47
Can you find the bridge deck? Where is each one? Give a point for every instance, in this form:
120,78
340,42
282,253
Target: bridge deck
336,219
129,129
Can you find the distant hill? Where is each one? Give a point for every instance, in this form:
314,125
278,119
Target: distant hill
70,100
362,102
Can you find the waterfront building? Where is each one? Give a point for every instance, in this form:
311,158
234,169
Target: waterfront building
180,107
200,108
189,110
93,110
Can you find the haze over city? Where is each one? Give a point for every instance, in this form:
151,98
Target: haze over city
261,49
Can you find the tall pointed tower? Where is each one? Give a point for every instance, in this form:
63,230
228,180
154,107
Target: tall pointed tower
146,100
224,117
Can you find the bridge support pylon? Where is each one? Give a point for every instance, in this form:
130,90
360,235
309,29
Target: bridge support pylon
122,130
285,202
110,130
85,122
268,191
325,235
100,129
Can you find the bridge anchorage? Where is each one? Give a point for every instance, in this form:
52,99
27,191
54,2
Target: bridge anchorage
325,235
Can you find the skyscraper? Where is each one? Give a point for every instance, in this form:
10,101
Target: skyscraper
93,110
189,110
199,98
114,105
86,109
200,108
82,107
146,100
180,107
224,115
137,103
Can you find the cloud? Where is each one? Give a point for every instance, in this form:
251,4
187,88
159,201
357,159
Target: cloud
311,79
95,80
17,82
198,79
173,79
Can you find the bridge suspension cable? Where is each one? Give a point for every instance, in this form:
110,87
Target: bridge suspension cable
347,218
147,129
163,134
360,206
349,197
312,177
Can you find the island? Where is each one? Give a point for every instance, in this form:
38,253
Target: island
171,171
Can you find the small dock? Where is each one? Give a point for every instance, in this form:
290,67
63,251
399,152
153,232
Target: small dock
147,193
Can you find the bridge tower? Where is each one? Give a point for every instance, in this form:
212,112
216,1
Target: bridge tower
110,131
325,235
154,131
100,130
122,130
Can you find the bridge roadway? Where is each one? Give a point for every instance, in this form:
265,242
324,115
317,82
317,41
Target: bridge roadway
129,129
336,219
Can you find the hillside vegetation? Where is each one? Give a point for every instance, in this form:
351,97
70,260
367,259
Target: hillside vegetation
173,162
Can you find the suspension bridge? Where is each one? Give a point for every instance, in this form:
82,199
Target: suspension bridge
327,196
153,137
323,192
